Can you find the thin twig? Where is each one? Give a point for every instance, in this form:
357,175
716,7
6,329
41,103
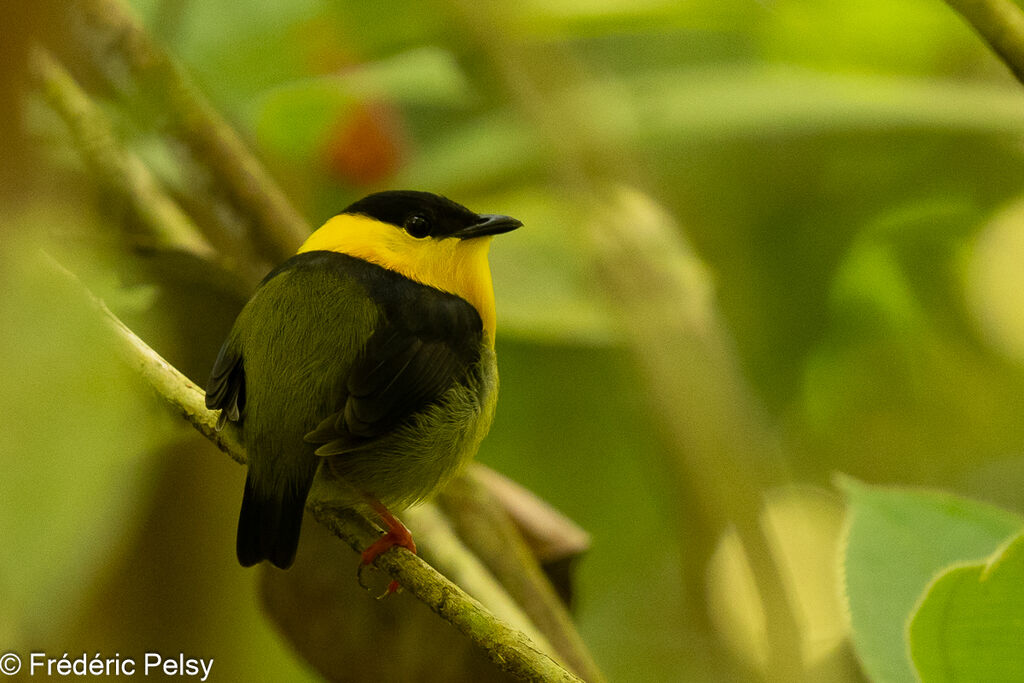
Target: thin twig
449,554
507,647
179,391
1001,24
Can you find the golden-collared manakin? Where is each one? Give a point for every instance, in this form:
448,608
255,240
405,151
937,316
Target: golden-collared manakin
369,355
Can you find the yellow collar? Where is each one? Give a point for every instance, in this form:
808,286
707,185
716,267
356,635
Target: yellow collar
452,265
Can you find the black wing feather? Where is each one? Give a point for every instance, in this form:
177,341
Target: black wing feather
427,340
225,390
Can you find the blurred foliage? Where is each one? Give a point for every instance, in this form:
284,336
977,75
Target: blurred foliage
849,173
805,525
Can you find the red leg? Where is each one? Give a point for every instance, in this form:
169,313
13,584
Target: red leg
397,534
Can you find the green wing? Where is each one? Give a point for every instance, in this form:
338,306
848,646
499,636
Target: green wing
425,341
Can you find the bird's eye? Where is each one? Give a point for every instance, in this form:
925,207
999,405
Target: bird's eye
418,226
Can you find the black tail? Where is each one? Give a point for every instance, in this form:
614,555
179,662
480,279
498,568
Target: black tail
269,526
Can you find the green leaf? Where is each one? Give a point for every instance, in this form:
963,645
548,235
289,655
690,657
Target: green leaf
969,626
898,540
657,109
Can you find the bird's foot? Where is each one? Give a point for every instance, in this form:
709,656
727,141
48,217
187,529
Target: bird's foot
396,535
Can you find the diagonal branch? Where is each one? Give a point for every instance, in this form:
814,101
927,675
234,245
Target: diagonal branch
487,527
508,648
1001,24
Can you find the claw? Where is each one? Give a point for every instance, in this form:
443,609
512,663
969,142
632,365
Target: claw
396,534
393,587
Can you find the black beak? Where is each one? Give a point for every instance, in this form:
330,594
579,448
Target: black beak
489,224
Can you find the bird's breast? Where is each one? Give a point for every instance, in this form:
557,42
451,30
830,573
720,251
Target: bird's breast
433,445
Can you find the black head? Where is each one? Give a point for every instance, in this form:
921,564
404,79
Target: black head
423,214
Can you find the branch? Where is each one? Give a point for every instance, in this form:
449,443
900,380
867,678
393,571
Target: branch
1001,24
455,560
508,648
183,395
120,48
551,537
487,528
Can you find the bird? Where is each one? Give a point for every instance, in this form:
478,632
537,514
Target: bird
366,359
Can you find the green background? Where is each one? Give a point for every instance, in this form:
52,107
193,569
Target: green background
849,174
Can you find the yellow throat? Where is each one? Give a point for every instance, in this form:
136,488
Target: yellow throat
456,266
